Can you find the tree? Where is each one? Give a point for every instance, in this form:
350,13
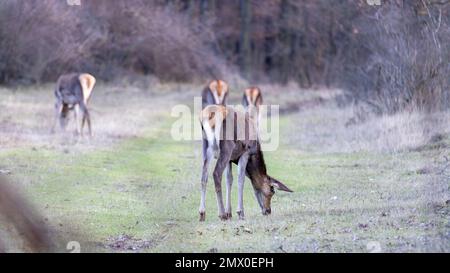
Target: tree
245,51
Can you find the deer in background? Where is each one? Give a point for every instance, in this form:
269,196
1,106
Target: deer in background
232,136
215,93
252,101
73,92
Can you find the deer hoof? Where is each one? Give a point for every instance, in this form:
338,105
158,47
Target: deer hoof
202,216
241,215
228,215
266,212
223,217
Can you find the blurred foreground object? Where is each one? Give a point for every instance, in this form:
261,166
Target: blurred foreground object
15,210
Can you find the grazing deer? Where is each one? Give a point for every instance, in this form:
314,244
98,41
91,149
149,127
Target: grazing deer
252,98
252,101
231,135
73,92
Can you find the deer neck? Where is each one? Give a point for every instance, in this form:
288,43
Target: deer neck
256,167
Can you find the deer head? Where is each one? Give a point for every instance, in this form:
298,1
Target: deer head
265,189
264,185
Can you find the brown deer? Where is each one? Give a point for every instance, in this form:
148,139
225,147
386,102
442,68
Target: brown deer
231,135
252,101
252,98
215,93
73,92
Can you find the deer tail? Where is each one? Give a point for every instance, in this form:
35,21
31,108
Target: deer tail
87,82
211,119
211,136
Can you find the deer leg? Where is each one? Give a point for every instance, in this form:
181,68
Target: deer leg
83,120
206,160
242,164
86,118
76,112
63,116
58,111
218,171
222,162
229,172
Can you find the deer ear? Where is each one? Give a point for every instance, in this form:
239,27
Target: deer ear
278,185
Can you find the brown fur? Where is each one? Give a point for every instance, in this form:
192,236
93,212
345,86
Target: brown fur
209,113
219,87
87,82
246,153
216,92
252,94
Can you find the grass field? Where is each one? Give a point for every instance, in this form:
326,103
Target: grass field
382,185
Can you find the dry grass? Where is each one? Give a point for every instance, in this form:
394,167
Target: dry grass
27,116
122,111
389,133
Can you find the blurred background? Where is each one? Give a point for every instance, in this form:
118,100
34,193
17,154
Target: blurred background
391,56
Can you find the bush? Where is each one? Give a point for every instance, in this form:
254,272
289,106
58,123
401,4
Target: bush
42,39
405,63
388,58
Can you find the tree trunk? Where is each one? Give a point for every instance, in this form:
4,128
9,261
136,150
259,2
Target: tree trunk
285,41
245,42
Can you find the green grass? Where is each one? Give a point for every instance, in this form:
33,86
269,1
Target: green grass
148,188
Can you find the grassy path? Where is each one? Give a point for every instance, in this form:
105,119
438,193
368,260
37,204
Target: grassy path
142,195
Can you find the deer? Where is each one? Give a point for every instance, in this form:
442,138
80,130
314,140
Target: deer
216,92
73,92
252,101
252,98
231,137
